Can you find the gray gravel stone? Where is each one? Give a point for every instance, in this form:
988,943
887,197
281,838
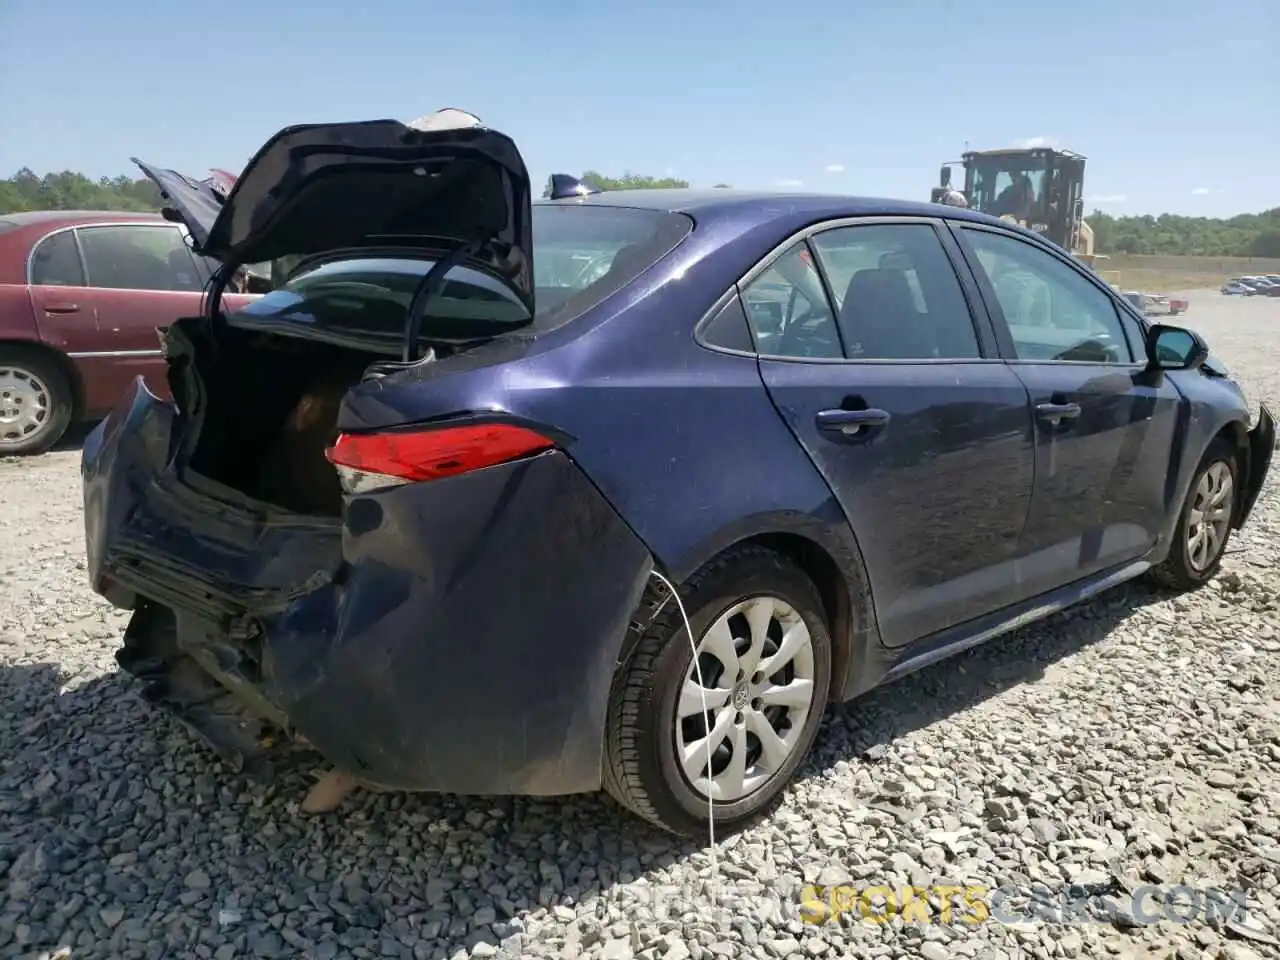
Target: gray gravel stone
1129,742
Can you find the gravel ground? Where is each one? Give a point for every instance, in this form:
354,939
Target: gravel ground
1134,740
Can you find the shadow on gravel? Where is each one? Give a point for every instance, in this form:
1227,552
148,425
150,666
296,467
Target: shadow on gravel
123,837
963,681
75,436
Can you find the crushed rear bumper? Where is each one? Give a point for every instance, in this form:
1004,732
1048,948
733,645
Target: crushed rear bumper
456,636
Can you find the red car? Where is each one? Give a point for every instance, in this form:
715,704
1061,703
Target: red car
81,296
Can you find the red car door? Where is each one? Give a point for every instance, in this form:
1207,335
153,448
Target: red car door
62,300
99,291
140,276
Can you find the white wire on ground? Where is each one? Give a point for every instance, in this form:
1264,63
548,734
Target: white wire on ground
702,689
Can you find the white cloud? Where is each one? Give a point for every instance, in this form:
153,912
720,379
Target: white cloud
1108,198
789,183
1203,191
1027,143
835,168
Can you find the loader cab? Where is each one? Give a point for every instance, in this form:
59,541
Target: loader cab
1038,188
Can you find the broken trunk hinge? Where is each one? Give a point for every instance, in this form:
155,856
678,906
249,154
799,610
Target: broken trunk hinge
428,288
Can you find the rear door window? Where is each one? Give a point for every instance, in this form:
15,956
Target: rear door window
55,262
135,257
789,312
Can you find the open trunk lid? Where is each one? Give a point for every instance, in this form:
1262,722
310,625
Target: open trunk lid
441,187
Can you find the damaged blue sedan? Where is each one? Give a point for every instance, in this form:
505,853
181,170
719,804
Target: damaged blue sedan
422,506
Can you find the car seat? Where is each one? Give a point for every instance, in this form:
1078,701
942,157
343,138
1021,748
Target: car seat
880,320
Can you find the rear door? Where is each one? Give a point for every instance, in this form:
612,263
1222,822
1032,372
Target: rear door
62,302
872,356
142,276
1104,425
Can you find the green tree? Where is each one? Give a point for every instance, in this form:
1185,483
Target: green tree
1266,244
69,190
628,181
1246,235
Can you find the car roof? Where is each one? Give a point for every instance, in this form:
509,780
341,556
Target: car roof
768,204
33,218
43,216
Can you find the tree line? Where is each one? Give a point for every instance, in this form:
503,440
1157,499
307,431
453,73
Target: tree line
68,190
1246,235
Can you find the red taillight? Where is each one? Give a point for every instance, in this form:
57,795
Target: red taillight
370,460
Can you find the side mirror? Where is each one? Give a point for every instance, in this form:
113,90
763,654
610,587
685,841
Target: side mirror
1174,348
944,177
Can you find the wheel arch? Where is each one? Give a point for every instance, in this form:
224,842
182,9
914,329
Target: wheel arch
829,555
837,599
1236,433
1189,452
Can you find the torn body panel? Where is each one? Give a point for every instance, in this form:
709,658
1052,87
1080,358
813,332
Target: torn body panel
1262,445
458,635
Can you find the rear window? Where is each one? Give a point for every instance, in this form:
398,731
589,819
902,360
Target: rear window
581,254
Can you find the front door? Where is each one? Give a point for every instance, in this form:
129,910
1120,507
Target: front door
872,357
1104,424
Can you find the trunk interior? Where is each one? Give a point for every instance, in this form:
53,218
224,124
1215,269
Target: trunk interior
271,403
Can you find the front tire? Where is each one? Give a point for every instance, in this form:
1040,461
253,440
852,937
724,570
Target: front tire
765,658
1204,525
35,402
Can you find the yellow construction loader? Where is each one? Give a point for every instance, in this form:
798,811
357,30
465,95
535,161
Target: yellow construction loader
1037,187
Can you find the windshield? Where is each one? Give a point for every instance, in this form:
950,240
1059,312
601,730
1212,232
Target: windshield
1010,185
581,254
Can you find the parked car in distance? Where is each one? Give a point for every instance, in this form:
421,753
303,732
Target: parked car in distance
81,296
427,522
1258,285
1234,288
1156,304
1140,301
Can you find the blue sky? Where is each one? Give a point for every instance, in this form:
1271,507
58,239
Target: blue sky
1176,103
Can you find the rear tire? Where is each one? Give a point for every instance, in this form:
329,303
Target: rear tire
746,607
1204,523
36,402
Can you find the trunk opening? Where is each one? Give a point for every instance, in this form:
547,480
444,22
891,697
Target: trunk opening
270,407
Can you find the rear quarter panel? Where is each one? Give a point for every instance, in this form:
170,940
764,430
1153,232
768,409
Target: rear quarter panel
683,441
17,317
17,313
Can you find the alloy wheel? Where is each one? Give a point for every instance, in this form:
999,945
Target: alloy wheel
1210,519
25,405
757,664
